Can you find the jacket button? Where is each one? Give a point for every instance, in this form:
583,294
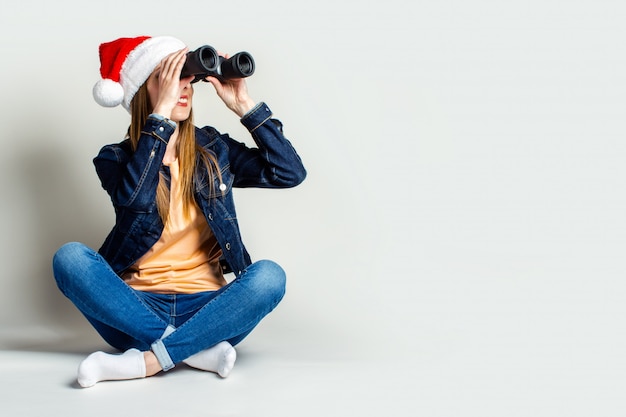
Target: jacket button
227,246
211,216
161,129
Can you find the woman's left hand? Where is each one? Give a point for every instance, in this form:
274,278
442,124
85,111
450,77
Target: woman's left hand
234,93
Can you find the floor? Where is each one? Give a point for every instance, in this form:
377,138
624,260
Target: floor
434,369
38,378
43,384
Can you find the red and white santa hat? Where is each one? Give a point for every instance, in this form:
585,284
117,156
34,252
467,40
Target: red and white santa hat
126,63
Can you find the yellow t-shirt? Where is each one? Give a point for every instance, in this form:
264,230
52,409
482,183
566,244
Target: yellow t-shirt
185,259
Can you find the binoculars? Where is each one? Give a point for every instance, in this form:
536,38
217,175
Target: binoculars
205,61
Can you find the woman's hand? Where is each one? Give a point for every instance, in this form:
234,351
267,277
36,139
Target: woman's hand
233,92
165,85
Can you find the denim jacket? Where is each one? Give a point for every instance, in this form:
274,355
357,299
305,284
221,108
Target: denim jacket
131,179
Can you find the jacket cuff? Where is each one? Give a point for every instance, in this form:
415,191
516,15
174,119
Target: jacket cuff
259,114
159,127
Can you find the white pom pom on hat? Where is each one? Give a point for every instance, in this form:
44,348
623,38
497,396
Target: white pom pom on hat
126,63
108,93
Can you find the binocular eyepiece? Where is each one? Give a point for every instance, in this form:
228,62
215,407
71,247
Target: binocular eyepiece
205,61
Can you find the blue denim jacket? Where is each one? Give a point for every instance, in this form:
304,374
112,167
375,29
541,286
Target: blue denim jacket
131,180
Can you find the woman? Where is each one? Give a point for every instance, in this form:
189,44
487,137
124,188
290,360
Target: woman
156,288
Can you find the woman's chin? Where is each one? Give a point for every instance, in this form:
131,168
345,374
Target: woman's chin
180,114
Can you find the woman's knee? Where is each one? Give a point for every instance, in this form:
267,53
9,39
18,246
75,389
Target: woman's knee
68,254
269,278
68,258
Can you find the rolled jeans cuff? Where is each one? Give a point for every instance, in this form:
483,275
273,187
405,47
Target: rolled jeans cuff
158,348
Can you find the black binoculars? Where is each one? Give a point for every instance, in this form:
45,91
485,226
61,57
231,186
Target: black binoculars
205,61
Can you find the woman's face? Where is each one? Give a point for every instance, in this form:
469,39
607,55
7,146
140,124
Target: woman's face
182,110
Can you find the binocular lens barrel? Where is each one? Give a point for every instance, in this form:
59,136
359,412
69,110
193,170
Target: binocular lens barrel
205,61
240,65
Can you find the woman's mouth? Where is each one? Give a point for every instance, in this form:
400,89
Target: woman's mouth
183,101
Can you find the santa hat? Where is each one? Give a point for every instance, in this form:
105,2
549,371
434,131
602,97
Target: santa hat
126,63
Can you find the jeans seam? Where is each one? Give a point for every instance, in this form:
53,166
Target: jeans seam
173,308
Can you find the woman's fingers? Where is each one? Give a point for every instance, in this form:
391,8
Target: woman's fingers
172,65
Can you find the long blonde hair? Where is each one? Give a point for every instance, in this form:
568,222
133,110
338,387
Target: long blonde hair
188,153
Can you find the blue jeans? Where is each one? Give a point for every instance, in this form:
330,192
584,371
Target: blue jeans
173,326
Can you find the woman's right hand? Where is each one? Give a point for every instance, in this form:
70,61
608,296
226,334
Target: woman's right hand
165,85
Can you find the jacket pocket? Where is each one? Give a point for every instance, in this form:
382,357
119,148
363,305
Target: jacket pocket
218,187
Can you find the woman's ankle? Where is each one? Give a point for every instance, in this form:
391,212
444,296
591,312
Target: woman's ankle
153,366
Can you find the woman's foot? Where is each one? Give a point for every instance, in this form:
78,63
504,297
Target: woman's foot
100,366
219,359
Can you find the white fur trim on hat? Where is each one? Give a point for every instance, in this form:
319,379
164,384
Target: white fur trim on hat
142,60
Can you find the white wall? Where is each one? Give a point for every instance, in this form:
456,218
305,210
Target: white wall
466,170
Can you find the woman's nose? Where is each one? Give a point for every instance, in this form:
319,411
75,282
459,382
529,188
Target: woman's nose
186,82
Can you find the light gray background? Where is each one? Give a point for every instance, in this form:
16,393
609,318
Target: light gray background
457,248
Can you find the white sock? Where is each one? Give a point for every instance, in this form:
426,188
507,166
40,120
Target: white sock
100,366
220,359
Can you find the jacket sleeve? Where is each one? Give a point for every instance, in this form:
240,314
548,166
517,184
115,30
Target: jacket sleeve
274,163
131,178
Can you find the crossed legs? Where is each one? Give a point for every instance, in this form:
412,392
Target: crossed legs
127,319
